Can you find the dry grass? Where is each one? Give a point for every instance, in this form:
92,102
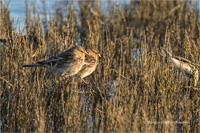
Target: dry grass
132,89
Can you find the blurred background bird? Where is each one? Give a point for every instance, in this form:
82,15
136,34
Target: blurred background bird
91,62
67,63
190,69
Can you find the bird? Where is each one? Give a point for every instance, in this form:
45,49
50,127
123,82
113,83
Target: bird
186,65
67,63
91,62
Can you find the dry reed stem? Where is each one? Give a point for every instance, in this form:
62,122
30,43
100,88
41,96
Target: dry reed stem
132,89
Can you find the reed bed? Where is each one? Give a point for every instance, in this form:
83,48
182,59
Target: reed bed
133,88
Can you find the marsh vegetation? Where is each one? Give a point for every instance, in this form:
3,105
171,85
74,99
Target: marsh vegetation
133,89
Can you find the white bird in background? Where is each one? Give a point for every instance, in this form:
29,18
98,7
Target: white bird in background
181,63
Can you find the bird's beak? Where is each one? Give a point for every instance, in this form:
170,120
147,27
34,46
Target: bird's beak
99,55
86,53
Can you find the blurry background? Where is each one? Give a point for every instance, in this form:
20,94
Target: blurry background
133,89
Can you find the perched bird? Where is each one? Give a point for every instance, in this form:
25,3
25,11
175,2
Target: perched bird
189,68
67,63
91,61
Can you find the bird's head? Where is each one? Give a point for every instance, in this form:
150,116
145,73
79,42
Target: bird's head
94,52
80,51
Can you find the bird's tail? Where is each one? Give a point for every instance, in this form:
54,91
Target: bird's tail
32,65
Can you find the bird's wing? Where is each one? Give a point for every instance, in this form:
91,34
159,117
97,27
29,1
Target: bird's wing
51,61
67,53
165,53
182,59
66,58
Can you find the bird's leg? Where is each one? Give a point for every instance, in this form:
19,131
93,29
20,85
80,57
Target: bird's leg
84,81
64,75
63,78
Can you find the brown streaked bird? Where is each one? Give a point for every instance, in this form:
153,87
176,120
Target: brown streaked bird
189,68
67,63
91,61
